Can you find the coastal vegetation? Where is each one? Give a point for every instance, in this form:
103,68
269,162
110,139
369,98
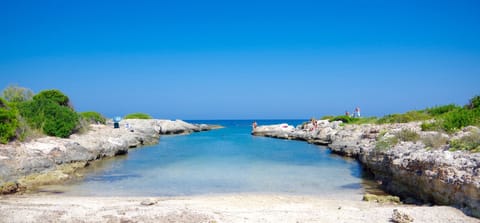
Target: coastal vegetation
469,142
15,93
50,112
93,117
434,141
137,115
8,121
447,118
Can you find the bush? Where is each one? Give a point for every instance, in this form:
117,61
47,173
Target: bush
432,126
460,118
343,118
60,121
93,117
137,116
49,116
55,96
385,143
434,141
474,102
470,142
439,110
14,93
404,118
8,122
33,112
407,135
327,117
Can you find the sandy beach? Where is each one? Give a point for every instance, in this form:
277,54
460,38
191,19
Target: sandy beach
212,208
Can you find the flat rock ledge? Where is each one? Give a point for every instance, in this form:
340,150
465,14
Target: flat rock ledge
411,170
24,165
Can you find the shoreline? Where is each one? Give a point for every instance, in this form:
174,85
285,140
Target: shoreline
51,160
214,208
409,169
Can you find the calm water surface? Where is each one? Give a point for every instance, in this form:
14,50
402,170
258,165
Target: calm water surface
227,160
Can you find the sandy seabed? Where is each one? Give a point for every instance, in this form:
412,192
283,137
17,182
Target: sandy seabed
212,208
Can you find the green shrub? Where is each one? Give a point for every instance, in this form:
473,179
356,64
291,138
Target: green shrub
49,116
343,118
33,112
470,142
404,118
460,118
364,120
439,110
327,117
8,122
93,117
385,143
407,135
432,126
60,121
137,116
434,141
24,131
53,95
474,102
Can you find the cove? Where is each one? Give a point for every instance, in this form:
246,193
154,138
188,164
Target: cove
224,161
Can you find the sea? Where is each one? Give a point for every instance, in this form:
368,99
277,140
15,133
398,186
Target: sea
224,161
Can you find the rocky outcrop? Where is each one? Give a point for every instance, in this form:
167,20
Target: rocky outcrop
25,163
408,168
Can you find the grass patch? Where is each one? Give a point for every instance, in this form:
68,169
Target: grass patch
457,119
434,141
385,143
137,116
351,120
93,117
470,142
410,116
440,110
407,135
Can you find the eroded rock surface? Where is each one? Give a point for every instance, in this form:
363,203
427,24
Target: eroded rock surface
45,155
409,169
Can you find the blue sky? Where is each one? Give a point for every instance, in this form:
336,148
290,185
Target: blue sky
244,59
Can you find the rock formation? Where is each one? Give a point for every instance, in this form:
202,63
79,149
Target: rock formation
51,159
406,168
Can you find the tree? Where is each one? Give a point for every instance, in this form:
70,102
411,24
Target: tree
8,122
15,93
55,96
50,111
474,102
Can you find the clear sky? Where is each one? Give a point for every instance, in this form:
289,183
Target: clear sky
244,59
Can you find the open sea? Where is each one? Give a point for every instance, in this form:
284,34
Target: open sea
224,161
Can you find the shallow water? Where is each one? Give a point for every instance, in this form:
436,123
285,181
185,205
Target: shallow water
227,160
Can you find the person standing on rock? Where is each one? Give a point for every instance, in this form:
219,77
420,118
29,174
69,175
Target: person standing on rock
357,112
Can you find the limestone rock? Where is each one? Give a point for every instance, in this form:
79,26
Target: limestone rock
42,155
430,173
399,217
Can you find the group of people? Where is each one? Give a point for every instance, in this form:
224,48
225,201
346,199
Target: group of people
356,113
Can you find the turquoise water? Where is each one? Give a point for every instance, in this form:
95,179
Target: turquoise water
227,160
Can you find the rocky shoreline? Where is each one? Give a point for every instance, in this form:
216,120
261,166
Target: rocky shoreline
410,169
46,160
